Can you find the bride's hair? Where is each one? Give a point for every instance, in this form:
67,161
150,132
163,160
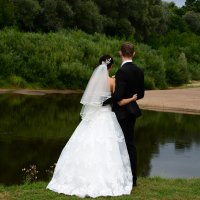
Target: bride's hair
106,59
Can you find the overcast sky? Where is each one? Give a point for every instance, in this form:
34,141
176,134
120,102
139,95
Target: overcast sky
179,3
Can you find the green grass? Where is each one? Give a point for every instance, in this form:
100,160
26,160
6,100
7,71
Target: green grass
148,188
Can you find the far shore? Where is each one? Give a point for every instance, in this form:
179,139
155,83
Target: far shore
181,100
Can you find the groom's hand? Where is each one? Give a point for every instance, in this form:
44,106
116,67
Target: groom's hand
108,101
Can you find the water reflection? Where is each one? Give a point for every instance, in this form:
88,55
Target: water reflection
172,163
34,129
155,131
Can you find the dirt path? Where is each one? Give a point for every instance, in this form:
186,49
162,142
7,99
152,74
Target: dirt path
174,100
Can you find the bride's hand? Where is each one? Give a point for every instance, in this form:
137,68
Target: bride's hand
134,97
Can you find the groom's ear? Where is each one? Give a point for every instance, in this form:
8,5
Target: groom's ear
120,53
133,53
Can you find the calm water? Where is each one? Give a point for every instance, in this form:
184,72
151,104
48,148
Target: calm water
34,129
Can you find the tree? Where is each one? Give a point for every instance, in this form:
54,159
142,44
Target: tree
177,73
145,16
109,10
193,5
55,15
88,17
124,28
65,13
6,13
26,12
193,20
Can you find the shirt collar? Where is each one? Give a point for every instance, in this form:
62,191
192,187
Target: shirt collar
126,61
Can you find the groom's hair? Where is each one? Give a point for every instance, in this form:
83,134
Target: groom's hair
127,49
104,58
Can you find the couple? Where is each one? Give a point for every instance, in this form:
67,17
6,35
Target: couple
100,158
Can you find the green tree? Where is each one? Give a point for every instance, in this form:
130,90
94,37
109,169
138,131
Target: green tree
193,20
146,16
6,13
177,23
55,15
174,17
88,17
190,3
177,73
26,12
109,9
193,5
124,28
142,17
65,13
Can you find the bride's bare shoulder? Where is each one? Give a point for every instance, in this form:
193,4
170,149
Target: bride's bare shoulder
112,80
112,83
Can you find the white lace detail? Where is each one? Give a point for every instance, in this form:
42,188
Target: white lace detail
95,160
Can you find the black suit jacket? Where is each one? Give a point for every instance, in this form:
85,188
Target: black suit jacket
129,81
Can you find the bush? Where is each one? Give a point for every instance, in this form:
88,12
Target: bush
149,83
60,60
194,69
17,81
74,75
153,66
66,59
177,73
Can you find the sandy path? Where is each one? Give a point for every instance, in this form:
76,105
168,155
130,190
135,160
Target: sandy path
173,100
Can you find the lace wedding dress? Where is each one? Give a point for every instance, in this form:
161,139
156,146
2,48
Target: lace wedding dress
95,160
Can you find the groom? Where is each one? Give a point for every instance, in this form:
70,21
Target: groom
129,81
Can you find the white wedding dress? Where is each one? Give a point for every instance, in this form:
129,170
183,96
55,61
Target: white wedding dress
95,160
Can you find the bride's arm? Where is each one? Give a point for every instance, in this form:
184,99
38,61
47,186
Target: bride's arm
123,101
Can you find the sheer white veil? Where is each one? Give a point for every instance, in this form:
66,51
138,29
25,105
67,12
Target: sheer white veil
96,92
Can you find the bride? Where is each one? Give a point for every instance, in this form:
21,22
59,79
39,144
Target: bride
95,160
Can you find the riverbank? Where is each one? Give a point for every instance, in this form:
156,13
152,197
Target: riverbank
148,188
183,100
179,100
38,91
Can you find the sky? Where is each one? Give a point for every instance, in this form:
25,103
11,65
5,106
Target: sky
179,3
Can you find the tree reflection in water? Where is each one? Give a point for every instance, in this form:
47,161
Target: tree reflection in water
34,129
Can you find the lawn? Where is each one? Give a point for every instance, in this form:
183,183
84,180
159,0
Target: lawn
148,188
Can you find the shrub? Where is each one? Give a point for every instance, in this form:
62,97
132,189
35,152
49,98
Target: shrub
17,81
153,65
66,59
177,72
194,69
149,83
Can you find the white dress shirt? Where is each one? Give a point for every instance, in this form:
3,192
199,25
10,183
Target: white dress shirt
126,61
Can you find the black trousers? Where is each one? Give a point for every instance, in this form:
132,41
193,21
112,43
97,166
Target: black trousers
127,126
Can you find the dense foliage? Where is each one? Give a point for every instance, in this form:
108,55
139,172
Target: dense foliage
66,37
66,59
143,19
